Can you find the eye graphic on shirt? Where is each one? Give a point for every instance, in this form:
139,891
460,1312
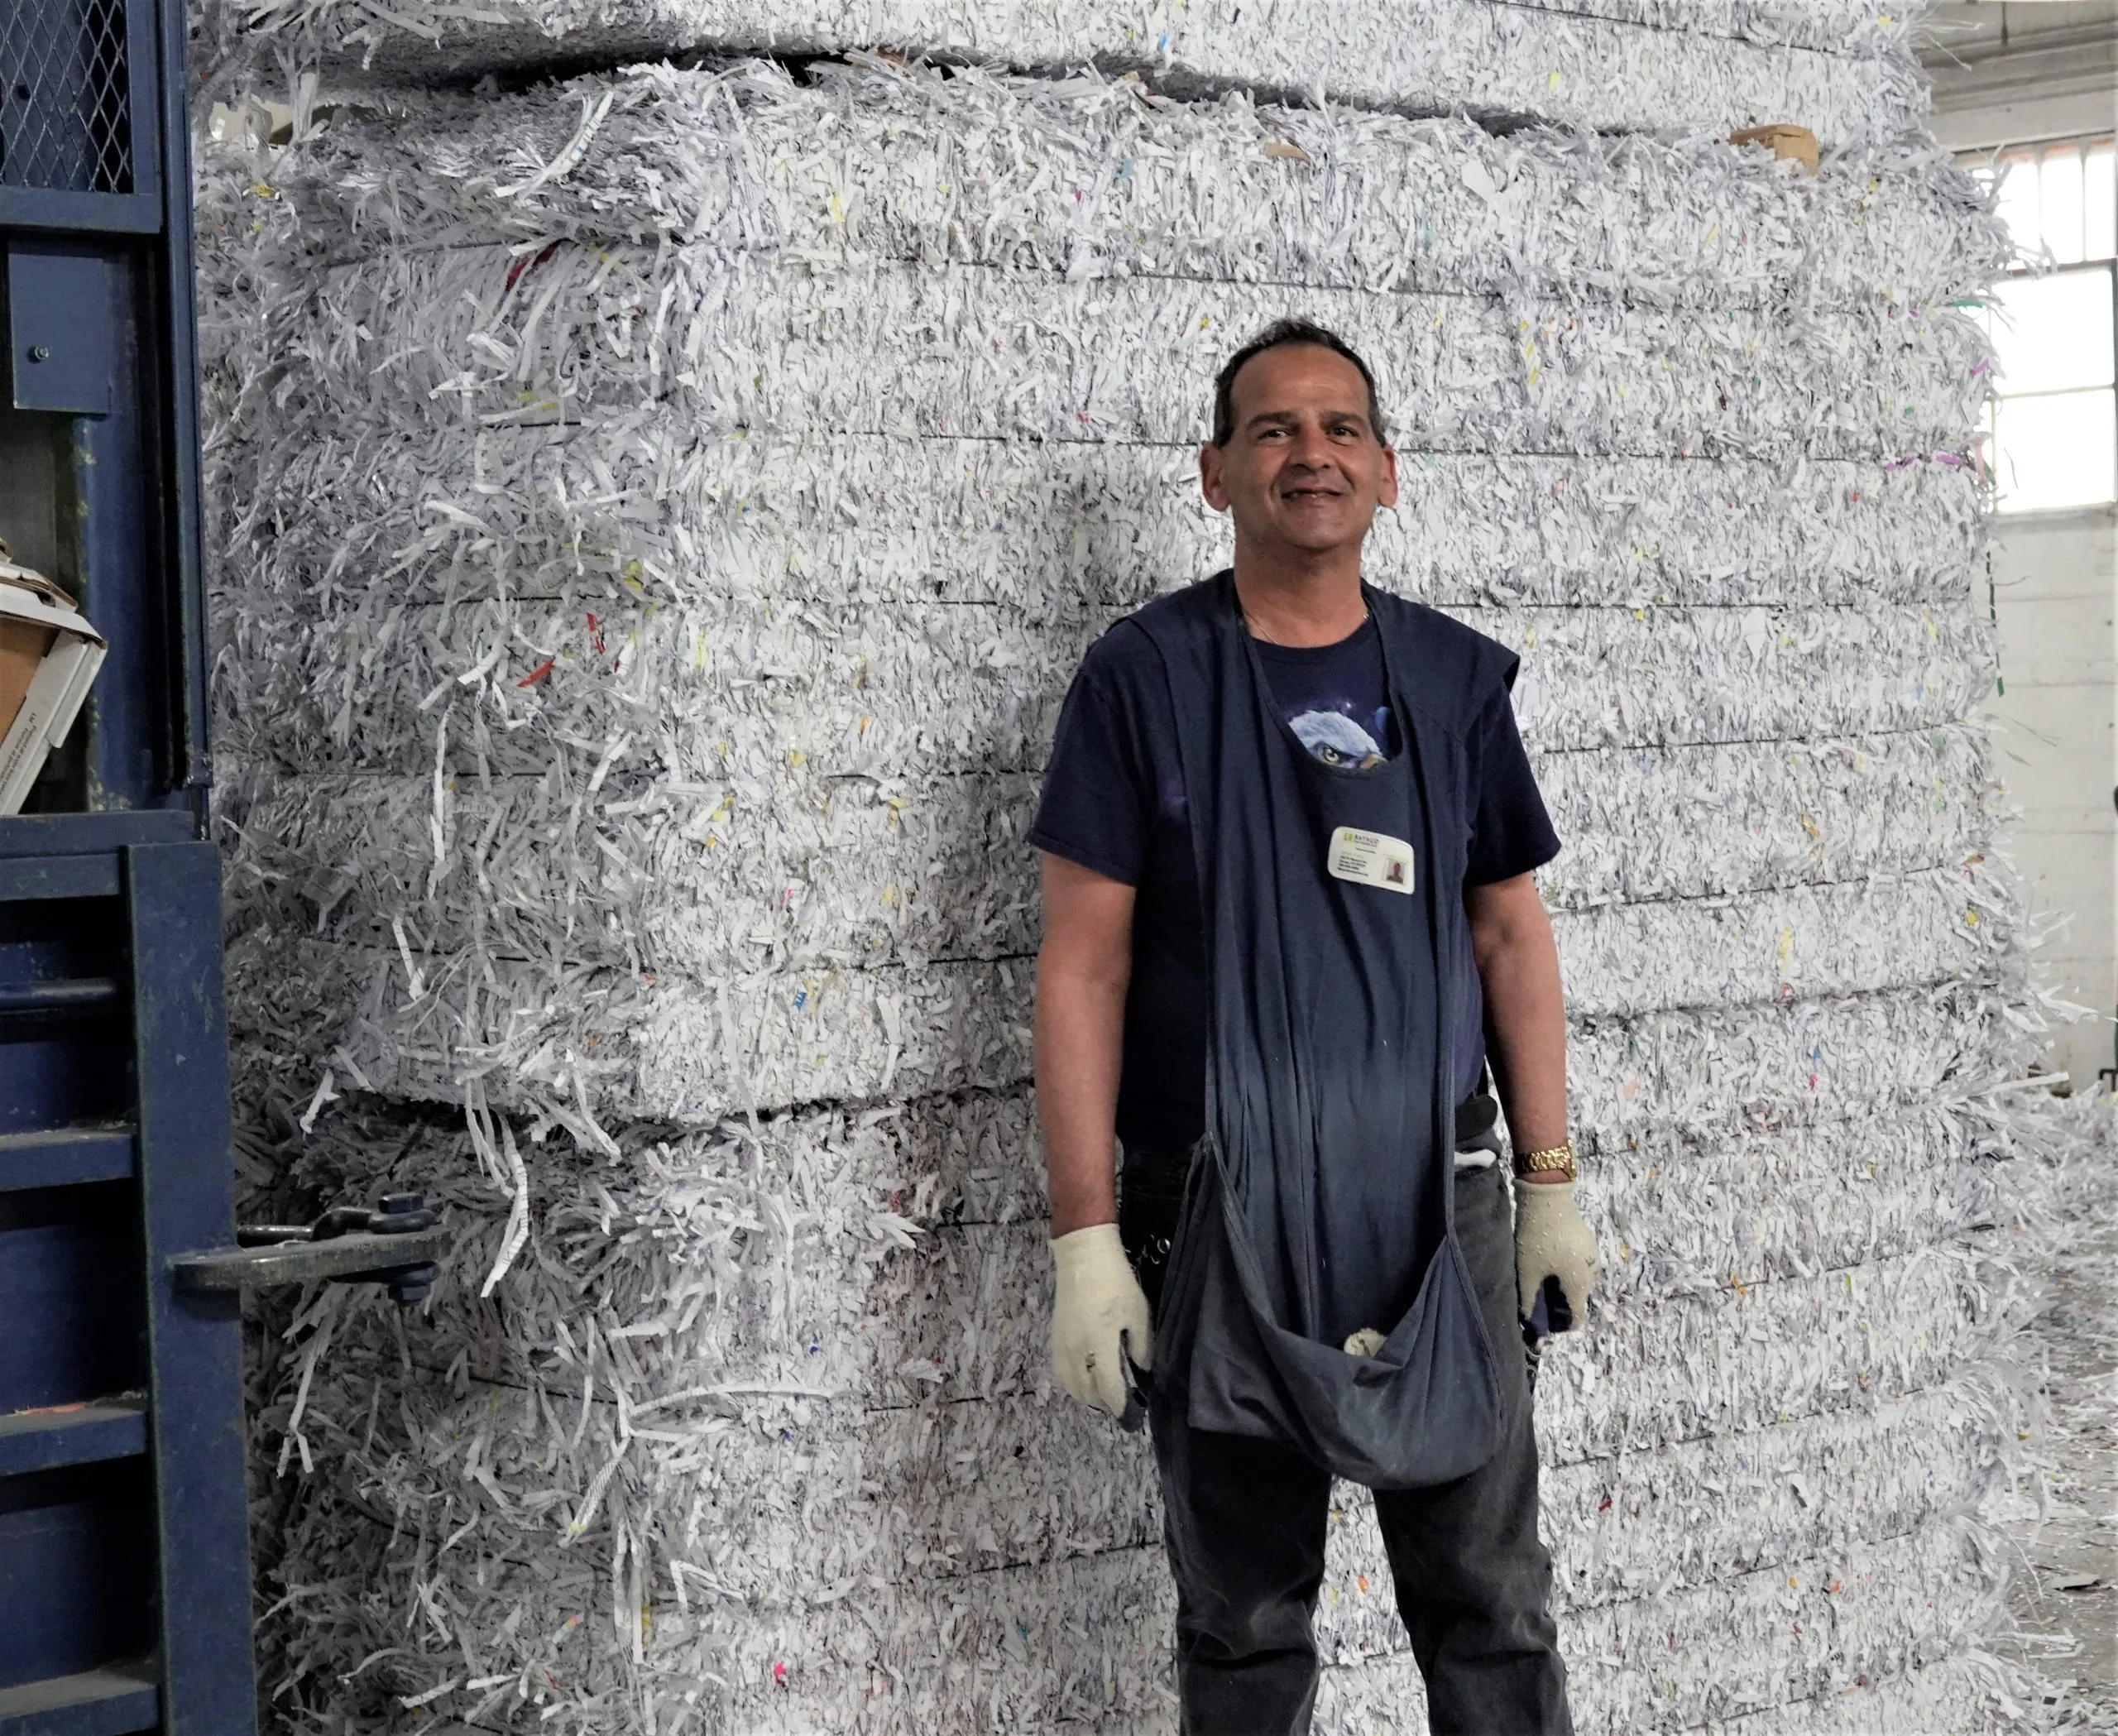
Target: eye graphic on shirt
1336,739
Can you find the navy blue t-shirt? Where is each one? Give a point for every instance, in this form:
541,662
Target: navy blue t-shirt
1113,802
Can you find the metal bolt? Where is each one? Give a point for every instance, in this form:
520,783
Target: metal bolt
40,353
409,1287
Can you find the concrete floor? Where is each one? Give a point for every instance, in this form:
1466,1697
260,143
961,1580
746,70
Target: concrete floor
2064,1602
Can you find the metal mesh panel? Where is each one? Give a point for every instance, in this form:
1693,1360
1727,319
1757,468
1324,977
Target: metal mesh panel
64,120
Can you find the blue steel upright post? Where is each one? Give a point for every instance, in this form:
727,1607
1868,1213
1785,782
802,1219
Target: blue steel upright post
124,1570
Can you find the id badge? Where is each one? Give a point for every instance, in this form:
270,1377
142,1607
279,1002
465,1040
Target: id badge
1370,859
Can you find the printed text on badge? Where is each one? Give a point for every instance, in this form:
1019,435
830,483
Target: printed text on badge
1371,858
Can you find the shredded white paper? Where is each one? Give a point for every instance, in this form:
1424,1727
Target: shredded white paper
1837,66
655,518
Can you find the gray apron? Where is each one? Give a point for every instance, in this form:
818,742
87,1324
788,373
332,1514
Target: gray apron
1319,1200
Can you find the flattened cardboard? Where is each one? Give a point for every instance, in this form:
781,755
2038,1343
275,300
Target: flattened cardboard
48,656
1790,144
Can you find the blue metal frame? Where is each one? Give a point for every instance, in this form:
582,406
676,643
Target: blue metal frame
142,210
110,1702
124,1561
194,1343
79,214
190,768
122,1514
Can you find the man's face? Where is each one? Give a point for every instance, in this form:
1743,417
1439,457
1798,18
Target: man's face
1303,471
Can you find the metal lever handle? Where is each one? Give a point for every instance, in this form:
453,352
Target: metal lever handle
397,1242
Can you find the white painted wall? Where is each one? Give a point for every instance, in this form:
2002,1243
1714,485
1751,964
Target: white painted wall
2054,577
2007,75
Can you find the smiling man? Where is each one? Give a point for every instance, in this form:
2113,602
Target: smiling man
1290,931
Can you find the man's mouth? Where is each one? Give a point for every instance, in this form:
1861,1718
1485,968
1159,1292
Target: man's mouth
1308,494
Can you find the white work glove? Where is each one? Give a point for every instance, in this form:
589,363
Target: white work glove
1098,1298
1552,1241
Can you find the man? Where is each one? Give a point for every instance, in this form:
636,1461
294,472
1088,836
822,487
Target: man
1289,918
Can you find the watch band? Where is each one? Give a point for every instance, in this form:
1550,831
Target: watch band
1558,1156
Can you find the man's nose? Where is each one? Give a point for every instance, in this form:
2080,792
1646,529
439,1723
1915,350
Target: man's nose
1311,449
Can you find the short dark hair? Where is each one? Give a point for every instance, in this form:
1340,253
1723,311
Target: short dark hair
1281,332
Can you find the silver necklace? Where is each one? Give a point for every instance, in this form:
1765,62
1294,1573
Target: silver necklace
1259,633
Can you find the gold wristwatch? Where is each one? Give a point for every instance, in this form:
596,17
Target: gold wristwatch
1558,1156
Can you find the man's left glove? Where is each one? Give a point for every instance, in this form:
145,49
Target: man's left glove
1552,1241
1100,1316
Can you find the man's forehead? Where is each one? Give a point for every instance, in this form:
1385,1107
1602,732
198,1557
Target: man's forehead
1292,377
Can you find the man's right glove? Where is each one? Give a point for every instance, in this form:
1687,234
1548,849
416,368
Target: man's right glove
1099,1299
1552,1241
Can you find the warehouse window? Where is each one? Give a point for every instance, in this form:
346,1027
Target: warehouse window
2053,432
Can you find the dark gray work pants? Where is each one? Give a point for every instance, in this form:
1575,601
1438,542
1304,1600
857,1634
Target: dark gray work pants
1244,1522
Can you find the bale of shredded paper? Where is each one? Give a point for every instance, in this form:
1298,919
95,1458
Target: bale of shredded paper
1837,67
655,520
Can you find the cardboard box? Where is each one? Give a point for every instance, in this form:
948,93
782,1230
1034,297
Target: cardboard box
48,656
1790,144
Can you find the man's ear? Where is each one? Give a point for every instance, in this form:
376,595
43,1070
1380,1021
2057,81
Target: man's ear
1213,479
1386,494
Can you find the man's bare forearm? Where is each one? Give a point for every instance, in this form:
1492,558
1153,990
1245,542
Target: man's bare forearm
1079,1023
1525,1011
1082,972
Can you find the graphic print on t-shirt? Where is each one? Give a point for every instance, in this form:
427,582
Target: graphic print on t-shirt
1335,698
1337,740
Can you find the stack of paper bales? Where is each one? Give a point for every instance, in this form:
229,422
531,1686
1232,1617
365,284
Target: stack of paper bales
655,517
1633,65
